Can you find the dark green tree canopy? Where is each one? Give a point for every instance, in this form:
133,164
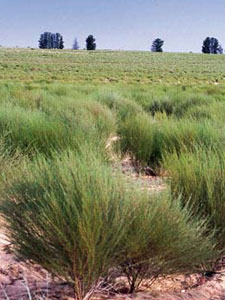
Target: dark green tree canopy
157,45
206,45
90,43
61,43
50,40
211,46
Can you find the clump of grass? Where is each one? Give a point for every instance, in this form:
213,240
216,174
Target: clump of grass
103,119
32,131
78,220
137,137
199,113
164,106
148,139
123,107
8,163
200,178
178,104
163,239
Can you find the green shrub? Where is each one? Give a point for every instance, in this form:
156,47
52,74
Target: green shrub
137,137
8,164
200,178
185,103
102,118
165,239
32,131
199,113
81,220
148,139
178,104
78,220
70,216
161,106
121,106
90,123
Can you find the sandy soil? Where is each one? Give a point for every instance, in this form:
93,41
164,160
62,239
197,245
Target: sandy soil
18,279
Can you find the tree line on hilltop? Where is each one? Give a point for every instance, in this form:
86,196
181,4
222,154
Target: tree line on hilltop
50,40
210,45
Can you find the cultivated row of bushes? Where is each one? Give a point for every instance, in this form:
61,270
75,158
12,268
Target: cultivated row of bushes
70,211
80,221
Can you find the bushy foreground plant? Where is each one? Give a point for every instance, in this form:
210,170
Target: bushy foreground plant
78,220
8,163
165,239
200,178
70,216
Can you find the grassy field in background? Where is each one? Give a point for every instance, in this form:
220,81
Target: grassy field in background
131,67
76,215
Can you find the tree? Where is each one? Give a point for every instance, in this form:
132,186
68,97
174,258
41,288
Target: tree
220,50
206,45
61,42
211,46
90,43
45,40
157,45
41,42
214,46
76,45
50,40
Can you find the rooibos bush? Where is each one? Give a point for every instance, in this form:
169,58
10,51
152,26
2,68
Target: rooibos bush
71,216
200,178
32,131
148,139
77,219
165,238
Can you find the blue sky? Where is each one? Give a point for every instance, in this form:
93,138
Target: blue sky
116,24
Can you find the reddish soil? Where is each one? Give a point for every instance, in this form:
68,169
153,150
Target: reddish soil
18,279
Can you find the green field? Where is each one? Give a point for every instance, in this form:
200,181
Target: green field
110,67
66,205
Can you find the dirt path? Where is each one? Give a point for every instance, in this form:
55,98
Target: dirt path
153,183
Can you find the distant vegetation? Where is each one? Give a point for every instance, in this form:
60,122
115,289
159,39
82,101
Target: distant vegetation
157,45
76,45
211,46
50,40
90,43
